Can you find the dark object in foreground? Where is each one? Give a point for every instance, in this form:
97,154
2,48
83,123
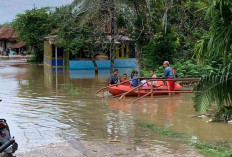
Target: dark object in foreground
8,146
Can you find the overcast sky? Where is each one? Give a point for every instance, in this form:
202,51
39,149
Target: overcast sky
10,8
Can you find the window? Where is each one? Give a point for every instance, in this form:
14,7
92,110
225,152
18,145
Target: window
59,52
132,50
119,50
125,50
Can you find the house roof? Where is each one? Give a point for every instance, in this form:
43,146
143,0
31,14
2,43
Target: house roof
51,39
7,33
119,38
18,45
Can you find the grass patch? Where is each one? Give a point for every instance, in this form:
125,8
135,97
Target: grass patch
70,88
161,131
217,149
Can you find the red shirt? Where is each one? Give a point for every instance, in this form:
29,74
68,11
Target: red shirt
126,83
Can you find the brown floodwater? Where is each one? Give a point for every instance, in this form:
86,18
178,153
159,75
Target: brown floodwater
40,114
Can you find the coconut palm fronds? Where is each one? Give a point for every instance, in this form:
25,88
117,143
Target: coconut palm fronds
214,88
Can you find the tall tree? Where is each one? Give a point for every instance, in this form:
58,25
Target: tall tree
108,11
32,26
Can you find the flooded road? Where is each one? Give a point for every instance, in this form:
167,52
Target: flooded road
39,114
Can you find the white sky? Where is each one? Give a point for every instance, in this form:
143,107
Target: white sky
10,8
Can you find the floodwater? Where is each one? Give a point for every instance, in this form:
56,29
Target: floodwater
40,114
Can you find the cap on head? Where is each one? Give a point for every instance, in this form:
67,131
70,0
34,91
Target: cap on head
166,62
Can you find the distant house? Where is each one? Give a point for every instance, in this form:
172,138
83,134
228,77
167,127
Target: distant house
124,53
8,41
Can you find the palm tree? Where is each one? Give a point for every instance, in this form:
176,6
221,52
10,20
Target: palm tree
219,39
216,88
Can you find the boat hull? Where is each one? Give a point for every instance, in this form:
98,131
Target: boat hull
120,89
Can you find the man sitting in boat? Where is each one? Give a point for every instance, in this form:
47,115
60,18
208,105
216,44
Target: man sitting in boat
114,77
135,81
124,78
144,81
168,75
153,75
132,74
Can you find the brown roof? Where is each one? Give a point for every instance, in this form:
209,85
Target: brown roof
18,45
7,33
51,39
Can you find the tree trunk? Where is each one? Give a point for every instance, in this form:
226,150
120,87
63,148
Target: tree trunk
138,55
95,64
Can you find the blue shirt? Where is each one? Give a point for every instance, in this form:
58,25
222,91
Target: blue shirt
114,79
135,82
168,73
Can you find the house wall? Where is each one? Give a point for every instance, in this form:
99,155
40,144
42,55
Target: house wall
4,47
47,53
50,60
80,65
102,64
102,73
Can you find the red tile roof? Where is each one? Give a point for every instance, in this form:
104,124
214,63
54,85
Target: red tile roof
7,33
18,45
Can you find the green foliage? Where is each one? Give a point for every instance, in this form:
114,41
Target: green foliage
219,38
162,48
161,131
186,18
186,69
7,24
215,88
74,37
185,26
212,149
32,26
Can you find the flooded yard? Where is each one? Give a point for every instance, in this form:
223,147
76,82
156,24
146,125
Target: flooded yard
43,117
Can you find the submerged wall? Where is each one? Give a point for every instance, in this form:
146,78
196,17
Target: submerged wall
102,64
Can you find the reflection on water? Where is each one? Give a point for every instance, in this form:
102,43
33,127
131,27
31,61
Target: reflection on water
37,113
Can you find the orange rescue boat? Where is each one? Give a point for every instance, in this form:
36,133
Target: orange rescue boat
120,89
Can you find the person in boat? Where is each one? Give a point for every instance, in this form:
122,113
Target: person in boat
144,81
124,78
132,75
168,75
153,75
135,81
114,77
174,73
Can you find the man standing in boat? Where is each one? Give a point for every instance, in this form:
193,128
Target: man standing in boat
114,77
168,75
